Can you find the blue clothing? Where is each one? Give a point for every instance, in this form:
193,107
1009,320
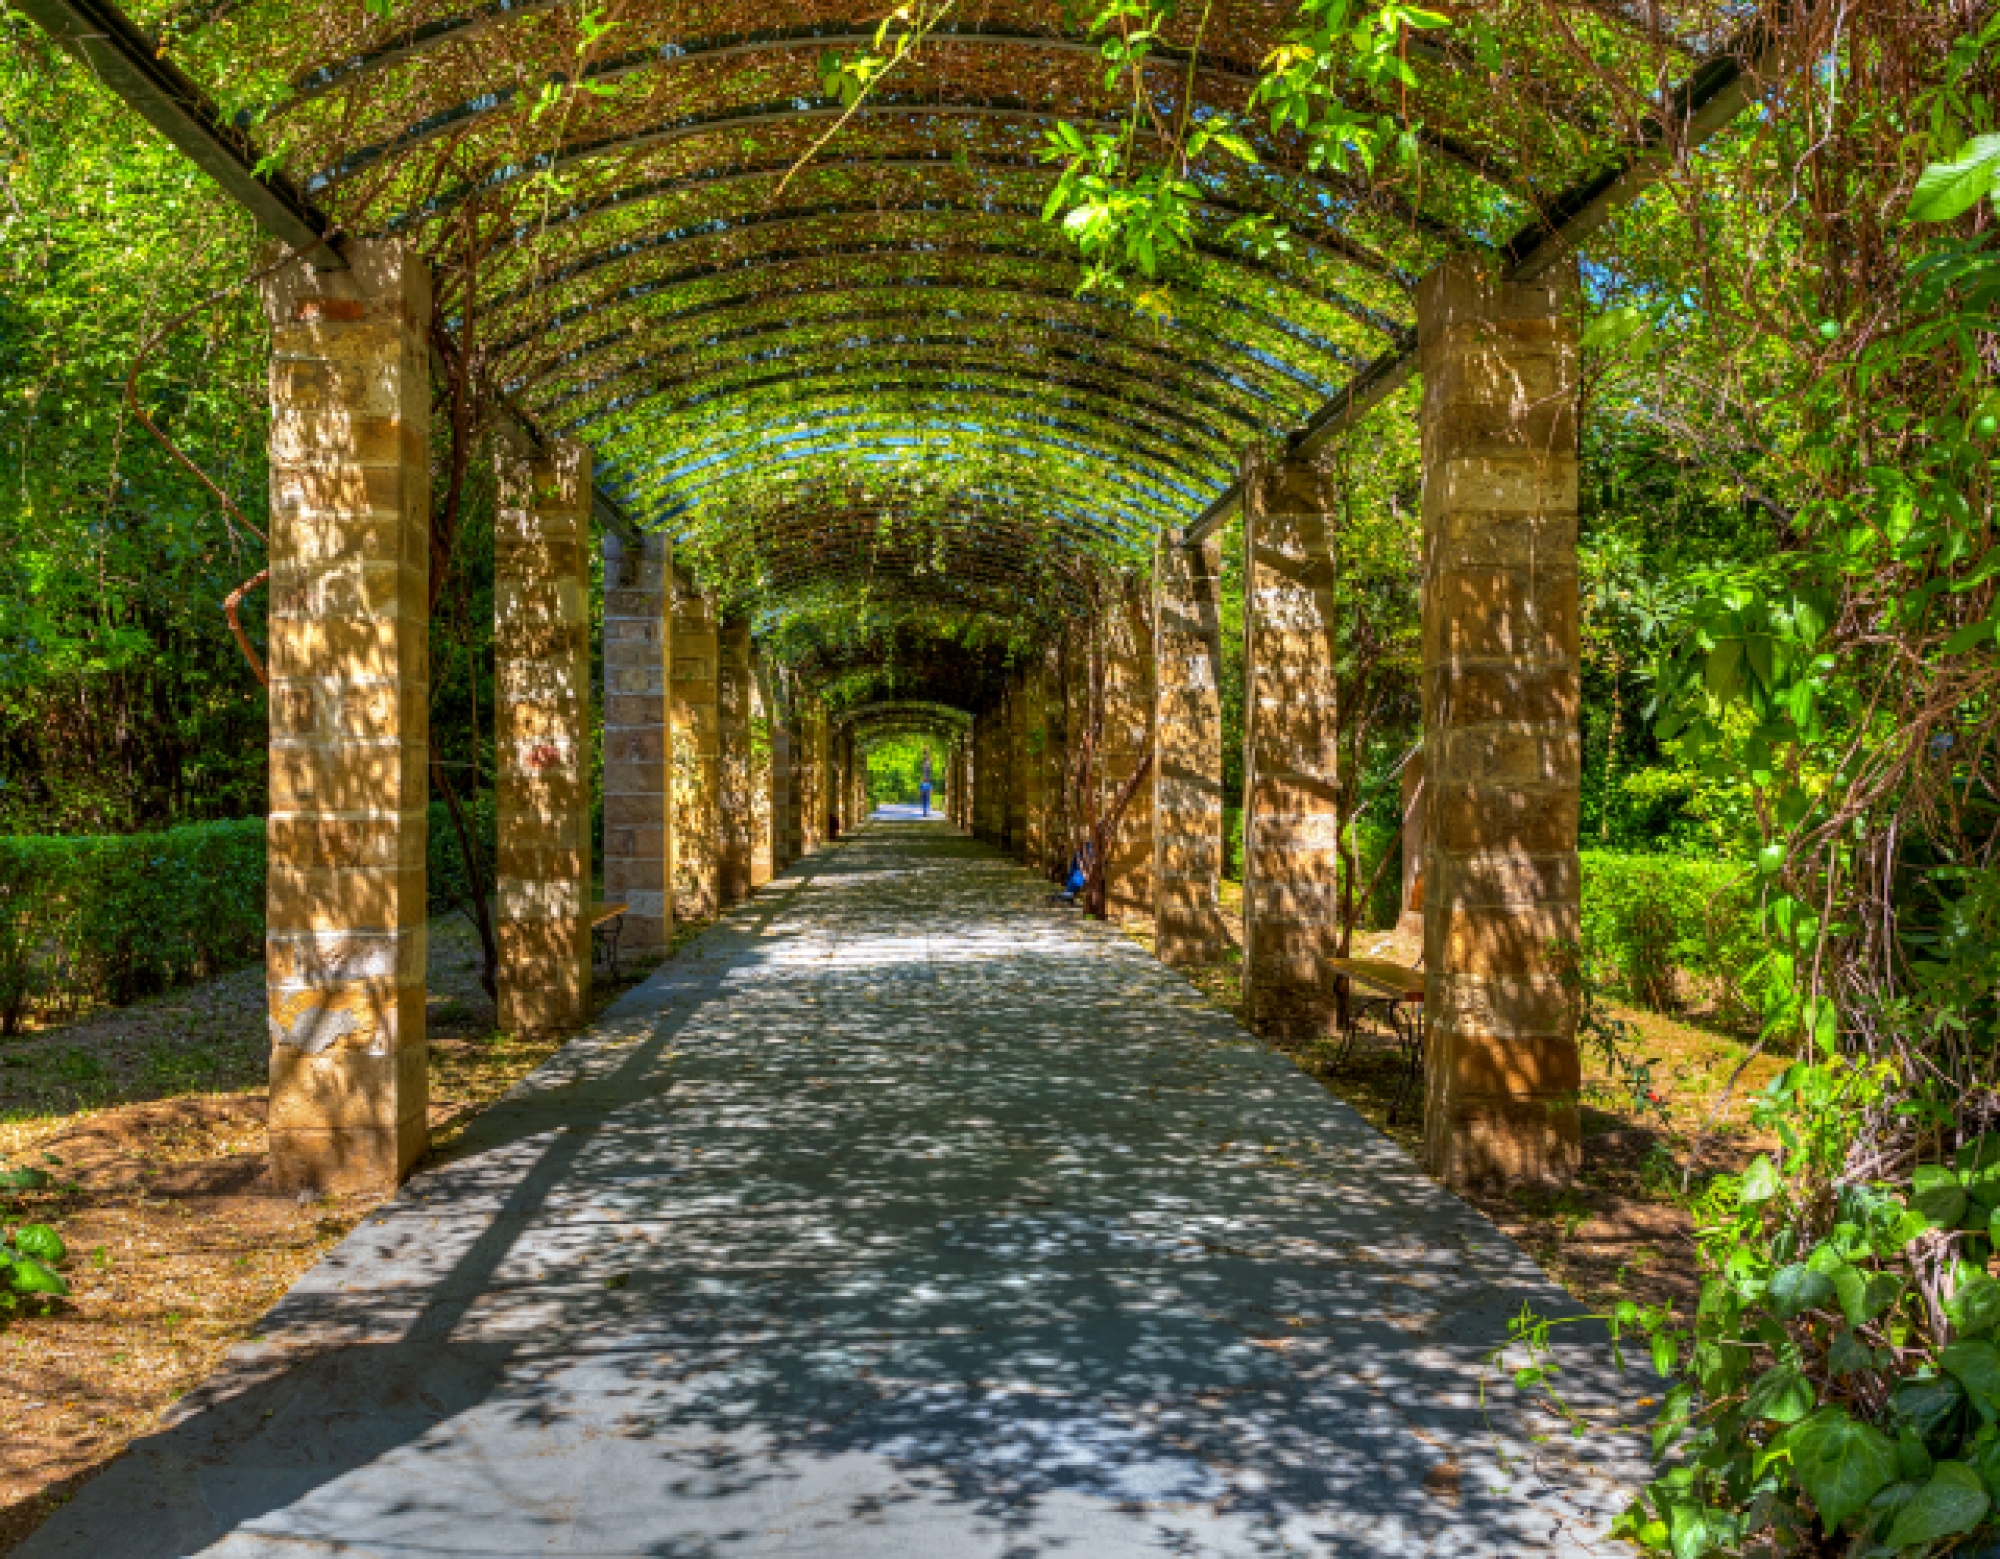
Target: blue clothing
924,790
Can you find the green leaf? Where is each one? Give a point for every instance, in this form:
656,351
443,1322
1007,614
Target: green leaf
1780,1396
1953,1501
1975,1365
1950,189
1848,1355
1937,1193
1796,1289
1839,1463
30,1277
1970,637
1760,1182
24,1179
1974,1306
1926,1403
40,1241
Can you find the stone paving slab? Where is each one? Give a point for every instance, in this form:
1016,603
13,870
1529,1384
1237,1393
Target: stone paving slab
901,1215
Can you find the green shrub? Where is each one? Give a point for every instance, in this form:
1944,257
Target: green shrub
1669,926
114,917
449,887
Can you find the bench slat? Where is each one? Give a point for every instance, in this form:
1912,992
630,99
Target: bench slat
1399,980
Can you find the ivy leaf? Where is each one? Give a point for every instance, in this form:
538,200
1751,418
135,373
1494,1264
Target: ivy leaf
1926,1403
1975,1365
1953,1501
1760,1181
1782,1395
1974,1306
30,1277
1935,1192
40,1241
1796,1289
1950,189
1840,1463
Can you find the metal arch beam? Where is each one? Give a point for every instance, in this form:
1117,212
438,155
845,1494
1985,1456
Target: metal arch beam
1028,444
1089,398
875,446
856,437
998,532
1061,544
318,81
652,287
799,111
1711,97
991,553
1484,166
870,429
812,504
633,195
1002,599
744,303
1026,217
799,342
705,387
1130,521
657,340
949,712
831,210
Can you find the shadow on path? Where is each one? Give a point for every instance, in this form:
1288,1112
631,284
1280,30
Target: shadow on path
898,1215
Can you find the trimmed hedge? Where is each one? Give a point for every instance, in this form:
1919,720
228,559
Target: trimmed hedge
113,917
1671,929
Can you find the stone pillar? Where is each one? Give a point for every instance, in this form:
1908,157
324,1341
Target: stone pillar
1052,767
541,677
1501,740
784,814
1411,921
812,814
1128,738
638,646
1034,746
763,733
736,824
1187,790
1017,766
827,816
697,824
1291,855
350,718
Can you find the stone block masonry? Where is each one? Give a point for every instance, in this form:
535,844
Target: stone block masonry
541,671
1128,741
1501,742
350,718
638,650
735,810
697,823
1187,789
1291,858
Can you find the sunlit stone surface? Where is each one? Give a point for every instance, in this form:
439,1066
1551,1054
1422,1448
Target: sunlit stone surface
903,1215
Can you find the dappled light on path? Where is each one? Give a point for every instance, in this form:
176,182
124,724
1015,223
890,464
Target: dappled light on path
900,1214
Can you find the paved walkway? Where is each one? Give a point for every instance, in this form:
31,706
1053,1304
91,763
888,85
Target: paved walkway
901,1215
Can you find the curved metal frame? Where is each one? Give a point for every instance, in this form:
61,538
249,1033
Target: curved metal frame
740,304
639,292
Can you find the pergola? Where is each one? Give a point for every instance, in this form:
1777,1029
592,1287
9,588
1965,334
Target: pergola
850,438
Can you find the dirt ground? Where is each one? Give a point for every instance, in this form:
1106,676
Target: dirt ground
150,1118
1622,1231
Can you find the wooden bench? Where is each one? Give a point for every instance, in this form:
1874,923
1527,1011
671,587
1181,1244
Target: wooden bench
1398,992
607,924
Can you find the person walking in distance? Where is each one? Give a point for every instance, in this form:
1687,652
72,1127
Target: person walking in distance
924,789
